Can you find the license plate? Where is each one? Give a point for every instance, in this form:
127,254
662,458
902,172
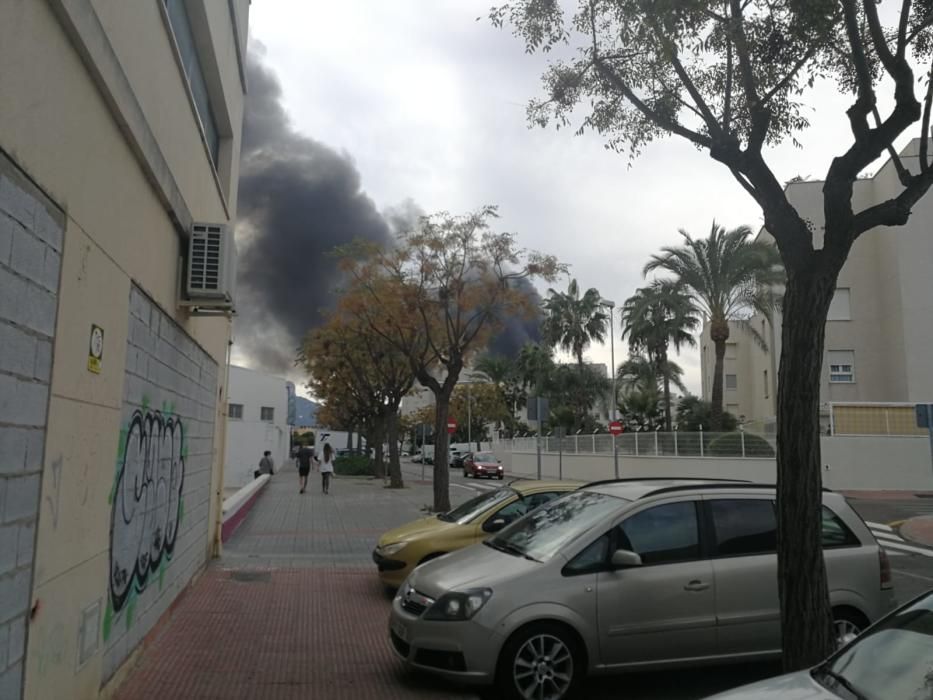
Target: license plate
400,631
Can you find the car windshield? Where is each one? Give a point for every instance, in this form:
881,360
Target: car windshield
484,457
543,532
892,661
466,512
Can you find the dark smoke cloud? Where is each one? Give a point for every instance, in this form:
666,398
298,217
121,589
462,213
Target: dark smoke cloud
298,199
518,331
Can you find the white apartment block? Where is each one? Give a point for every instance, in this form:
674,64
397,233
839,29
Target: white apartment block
879,332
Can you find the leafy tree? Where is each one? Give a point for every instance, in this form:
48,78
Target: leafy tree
504,373
654,319
437,296
486,406
731,77
693,412
361,379
729,277
572,322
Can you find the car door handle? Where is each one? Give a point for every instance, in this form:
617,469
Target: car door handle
696,585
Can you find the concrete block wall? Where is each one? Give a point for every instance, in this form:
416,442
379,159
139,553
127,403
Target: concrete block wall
31,238
162,486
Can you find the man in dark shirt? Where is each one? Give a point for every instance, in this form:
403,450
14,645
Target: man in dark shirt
305,456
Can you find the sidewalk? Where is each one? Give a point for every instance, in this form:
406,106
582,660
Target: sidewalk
294,608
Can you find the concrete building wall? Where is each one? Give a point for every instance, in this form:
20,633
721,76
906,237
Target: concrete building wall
249,436
97,116
31,230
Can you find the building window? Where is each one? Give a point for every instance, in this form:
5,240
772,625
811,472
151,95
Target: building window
767,388
841,366
267,414
732,381
235,411
188,50
839,307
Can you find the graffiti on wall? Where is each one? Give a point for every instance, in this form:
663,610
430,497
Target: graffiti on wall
146,501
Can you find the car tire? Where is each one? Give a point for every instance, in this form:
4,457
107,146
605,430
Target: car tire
848,624
500,477
465,475
553,650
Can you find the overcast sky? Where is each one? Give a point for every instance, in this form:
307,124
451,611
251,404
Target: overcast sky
430,105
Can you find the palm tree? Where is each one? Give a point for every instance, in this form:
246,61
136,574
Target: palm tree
504,373
656,318
730,277
572,321
641,375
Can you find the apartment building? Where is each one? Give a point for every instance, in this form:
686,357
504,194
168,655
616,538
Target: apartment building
119,135
257,420
880,325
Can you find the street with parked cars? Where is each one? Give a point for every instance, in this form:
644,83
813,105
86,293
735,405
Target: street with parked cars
639,575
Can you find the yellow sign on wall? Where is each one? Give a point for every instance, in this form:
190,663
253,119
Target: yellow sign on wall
95,356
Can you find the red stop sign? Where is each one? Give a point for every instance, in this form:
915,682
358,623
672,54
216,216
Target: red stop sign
451,426
615,427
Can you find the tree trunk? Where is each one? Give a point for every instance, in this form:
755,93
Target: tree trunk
719,333
376,435
662,364
441,441
806,623
359,440
395,467
350,438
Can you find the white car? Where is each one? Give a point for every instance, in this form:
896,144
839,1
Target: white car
891,660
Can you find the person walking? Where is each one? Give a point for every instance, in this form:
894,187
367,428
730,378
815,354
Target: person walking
305,455
327,467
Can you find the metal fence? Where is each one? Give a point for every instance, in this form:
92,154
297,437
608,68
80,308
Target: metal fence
651,444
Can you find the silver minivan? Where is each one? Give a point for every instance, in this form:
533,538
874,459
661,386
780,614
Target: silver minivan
625,575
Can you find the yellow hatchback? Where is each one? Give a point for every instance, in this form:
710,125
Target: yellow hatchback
402,549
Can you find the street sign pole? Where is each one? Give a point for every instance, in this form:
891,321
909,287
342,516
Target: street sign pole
924,412
930,429
560,453
538,437
423,429
615,456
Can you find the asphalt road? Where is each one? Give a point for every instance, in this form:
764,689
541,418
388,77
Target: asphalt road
912,572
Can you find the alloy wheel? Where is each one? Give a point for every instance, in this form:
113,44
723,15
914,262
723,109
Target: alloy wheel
543,668
846,631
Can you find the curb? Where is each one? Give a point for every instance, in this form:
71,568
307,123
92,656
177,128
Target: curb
918,530
238,506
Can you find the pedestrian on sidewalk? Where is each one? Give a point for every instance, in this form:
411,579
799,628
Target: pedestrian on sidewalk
305,455
327,467
266,465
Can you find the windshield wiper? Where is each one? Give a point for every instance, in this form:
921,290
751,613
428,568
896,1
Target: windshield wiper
841,681
508,548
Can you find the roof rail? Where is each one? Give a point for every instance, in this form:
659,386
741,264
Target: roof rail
662,478
719,483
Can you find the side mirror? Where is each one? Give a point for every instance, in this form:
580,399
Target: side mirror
496,525
623,558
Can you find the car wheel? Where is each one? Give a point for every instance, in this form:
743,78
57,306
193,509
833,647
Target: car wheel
847,625
541,660
465,475
500,477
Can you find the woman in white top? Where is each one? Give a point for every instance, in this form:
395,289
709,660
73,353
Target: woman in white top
327,467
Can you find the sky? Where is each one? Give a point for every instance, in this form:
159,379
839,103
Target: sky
428,103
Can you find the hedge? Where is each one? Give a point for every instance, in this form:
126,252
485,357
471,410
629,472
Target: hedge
353,465
730,445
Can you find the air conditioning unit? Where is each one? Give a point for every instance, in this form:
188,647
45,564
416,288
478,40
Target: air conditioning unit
211,268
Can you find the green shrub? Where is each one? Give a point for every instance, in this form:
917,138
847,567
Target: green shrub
353,465
730,445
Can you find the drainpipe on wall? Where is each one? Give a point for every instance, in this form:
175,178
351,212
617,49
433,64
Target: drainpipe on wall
217,547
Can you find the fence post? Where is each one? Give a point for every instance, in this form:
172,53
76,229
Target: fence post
636,442
655,443
676,453
742,438
593,437
576,444
701,440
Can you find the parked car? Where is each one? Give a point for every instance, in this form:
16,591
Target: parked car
486,464
417,456
400,550
620,576
455,461
892,660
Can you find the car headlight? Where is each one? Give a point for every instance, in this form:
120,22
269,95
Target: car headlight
458,605
390,549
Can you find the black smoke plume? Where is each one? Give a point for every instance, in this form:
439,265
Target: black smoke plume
298,200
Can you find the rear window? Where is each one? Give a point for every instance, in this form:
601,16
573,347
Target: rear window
835,532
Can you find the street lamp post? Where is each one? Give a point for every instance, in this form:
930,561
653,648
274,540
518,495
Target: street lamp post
612,359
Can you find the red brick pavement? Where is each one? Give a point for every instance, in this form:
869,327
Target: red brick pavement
316,633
